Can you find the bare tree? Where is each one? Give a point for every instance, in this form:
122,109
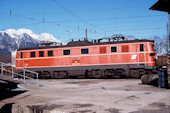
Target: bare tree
5,58
161,45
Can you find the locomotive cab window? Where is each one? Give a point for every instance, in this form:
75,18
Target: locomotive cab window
85,51
32,54
50,53
66,52
113,49
41,53
141,47
21,55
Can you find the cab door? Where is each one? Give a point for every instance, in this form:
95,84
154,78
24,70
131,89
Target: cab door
20,61
141,54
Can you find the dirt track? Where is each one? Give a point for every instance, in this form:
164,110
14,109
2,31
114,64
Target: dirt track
91,96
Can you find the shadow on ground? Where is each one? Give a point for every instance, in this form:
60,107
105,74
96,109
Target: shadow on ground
7,108
7,91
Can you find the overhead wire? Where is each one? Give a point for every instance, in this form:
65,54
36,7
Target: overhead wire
33,24
90,10
125,17
31,18
83,20
45,21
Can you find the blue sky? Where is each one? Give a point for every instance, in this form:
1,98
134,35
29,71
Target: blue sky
102,18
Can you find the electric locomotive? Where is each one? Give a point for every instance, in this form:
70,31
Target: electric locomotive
113,57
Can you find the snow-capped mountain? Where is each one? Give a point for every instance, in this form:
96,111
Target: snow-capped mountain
12,39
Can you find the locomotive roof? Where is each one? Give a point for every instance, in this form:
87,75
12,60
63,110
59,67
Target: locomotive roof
87,43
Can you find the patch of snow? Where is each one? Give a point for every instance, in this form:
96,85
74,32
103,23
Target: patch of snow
1,47
47,37
17,34
10,32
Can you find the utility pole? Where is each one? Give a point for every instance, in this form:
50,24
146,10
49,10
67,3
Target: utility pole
69,35
163,5
86,34
168,38
10,13
69,31
169,32
43,20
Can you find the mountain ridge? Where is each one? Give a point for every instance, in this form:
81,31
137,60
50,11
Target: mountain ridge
11,39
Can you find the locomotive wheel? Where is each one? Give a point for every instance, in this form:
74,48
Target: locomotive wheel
45,74
63,74
96,74
60,74
134,73
118,74
141,72
109,73
89,74
106,74
55,74
30,75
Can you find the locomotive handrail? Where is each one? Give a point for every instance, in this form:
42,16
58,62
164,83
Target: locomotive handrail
2,65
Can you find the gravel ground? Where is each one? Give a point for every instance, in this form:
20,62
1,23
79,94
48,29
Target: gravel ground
88,96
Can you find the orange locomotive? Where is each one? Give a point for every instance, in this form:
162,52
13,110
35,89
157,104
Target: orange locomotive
90,59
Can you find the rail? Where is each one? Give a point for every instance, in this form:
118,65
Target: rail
12,71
